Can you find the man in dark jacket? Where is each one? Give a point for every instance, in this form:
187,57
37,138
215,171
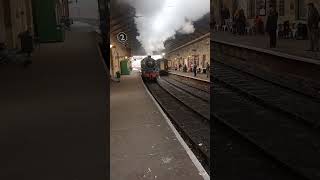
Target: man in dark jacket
195,69
272,25
26,41
208,69
313,26
225,14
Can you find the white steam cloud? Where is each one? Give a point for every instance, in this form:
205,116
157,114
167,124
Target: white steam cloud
187,28
158,20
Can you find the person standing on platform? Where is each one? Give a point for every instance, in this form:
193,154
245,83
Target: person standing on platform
208,69
225,15
313,26
195,69
272,25
242,22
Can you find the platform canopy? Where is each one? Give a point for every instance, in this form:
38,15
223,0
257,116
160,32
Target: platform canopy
122,20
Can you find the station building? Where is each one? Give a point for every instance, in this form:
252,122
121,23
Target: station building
42,17
48,19
15,17
197,51
294,11
186,49
118,52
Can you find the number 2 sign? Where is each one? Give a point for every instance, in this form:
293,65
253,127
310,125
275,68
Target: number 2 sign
122,37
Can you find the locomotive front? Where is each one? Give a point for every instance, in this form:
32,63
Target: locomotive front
149,69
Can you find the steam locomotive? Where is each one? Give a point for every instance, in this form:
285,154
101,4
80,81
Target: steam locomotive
149,69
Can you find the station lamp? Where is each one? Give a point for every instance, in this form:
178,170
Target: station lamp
111,46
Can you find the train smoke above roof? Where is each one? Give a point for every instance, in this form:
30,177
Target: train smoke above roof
158,20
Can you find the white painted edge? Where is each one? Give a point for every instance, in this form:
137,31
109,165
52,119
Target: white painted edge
272,52
193,158
204,80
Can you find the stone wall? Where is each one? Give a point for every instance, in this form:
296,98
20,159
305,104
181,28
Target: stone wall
118,52
198,50
298,74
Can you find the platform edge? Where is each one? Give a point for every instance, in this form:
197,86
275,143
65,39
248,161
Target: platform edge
195,161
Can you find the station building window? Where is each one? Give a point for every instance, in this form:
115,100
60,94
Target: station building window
251,9
301,9
282,7
7,14
273,3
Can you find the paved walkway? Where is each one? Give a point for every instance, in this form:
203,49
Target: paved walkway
53,113
200,76
288,46
142,144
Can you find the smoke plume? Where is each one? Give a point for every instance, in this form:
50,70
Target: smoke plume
158,20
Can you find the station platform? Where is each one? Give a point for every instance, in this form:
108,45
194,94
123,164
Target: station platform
200,76
143,143
53,113
284,46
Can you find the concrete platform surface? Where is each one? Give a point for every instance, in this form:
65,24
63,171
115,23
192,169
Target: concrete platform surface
142,144
200,76
53,114
284,46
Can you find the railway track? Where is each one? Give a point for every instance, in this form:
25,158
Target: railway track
268,116
196,84
279,98
237,158
191,121
243,156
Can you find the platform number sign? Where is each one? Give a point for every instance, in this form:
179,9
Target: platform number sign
122,37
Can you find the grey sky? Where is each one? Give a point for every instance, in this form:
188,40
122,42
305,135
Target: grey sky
84,9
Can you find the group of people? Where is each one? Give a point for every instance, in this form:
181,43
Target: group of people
239,25
238,20
194,68
313,19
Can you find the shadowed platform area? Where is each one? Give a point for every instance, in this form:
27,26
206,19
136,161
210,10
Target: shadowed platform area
53,114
